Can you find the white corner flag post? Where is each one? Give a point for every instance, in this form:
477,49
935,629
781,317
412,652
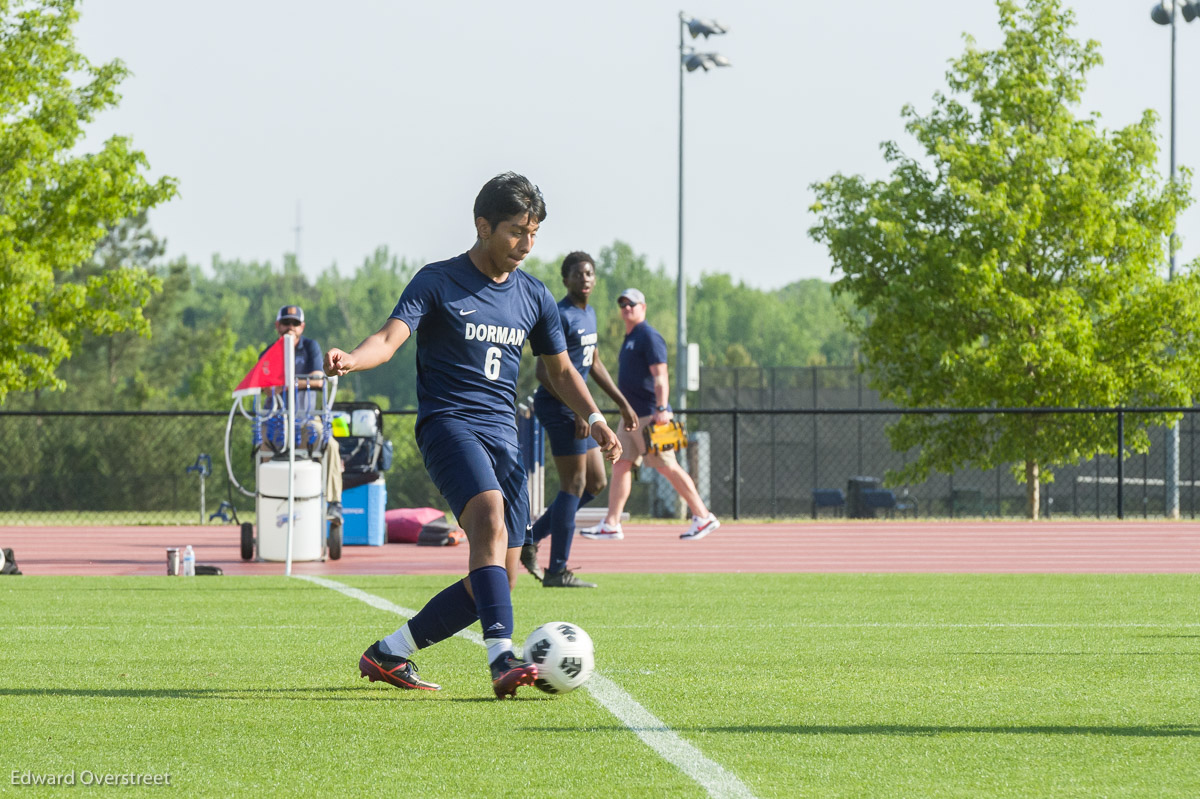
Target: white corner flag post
289,378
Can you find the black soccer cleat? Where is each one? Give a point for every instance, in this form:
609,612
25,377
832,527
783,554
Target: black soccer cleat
509,673
377,666
529,555
565,579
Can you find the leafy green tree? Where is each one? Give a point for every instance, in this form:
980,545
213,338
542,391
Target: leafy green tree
55,204
211,384
798,325
345,310
821,312
1016,261
187,361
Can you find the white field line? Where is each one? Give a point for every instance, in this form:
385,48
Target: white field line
658,736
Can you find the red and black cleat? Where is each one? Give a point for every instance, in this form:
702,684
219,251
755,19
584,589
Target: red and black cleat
377,666
509,673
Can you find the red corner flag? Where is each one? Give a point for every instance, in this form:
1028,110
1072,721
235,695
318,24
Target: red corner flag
266,373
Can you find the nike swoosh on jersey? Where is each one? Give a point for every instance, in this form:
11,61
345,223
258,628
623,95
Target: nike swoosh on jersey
465,312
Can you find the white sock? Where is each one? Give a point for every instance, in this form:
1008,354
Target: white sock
399,644
497,647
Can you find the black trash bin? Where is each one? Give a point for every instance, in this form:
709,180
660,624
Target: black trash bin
856,505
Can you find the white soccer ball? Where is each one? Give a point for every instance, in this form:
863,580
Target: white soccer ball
563,654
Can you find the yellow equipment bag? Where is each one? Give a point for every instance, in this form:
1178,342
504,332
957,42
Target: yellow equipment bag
665,437
341,424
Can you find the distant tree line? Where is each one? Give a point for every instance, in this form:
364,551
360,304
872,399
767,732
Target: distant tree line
208,326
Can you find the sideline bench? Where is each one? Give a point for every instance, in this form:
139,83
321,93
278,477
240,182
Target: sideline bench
828,498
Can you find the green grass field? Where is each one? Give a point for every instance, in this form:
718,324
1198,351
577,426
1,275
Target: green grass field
797,685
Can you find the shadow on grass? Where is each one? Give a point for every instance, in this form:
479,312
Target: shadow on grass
1142,731
362,693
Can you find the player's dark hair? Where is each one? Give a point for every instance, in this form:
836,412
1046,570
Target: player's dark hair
507,196
577,257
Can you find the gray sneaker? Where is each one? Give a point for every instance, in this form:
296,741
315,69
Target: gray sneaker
529,559
565,579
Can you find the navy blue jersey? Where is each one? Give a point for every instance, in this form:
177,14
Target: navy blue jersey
579,330
644,346
470,332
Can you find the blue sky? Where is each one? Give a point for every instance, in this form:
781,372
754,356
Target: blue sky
381,120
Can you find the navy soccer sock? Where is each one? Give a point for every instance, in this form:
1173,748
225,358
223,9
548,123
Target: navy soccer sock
493,602
562,529
544,525
444,615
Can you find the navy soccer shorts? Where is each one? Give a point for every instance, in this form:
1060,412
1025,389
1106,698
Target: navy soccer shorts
559,421
464,462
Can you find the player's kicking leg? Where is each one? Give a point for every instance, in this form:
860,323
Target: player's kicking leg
489,533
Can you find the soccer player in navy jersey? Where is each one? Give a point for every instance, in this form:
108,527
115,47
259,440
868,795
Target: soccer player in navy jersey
472,315
576,454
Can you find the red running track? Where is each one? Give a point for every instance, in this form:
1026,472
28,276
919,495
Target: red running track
845,546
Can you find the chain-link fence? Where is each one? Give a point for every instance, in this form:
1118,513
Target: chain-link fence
148,467
793,463
760,388
133,468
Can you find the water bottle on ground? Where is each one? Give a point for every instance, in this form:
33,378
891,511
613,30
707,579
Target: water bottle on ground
189,562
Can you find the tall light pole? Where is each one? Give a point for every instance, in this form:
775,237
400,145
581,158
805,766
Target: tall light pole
689,61
1164,14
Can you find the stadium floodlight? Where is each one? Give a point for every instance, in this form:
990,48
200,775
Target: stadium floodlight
705,61
1161,13
1164,14
705,27
690,61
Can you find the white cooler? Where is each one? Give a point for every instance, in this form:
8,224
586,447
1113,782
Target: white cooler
271,506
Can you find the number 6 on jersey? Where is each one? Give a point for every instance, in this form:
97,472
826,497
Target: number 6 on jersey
491,363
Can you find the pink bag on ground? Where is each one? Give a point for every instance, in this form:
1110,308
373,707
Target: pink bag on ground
404,524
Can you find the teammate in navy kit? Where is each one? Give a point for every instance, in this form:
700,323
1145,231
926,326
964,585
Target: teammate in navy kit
472,315
576,456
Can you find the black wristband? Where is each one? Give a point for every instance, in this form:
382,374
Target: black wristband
662,408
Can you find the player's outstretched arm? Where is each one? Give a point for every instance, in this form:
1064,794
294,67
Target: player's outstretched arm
569,387
604,380
375,349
